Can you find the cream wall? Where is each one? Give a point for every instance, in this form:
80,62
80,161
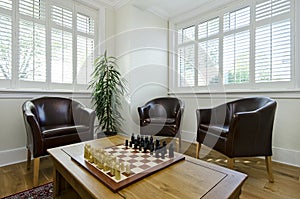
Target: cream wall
142,50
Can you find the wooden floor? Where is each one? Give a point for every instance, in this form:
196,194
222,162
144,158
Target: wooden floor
16,178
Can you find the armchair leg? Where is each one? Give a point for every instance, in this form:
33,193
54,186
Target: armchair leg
28,159
36,168
230,163
198,147
269,168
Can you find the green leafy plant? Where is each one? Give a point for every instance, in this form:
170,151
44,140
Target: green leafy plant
107,89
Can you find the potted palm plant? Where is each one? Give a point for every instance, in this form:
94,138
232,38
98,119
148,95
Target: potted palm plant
107,89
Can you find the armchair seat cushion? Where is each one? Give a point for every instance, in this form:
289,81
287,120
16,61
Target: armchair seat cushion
215,129
59,130
158,120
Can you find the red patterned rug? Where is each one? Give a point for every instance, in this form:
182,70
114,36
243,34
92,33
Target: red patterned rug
41,192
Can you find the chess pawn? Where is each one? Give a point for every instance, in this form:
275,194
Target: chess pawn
87,148
127,169
122,166
117,161
96,157
105,167
112,168
91,157
117,172
99,163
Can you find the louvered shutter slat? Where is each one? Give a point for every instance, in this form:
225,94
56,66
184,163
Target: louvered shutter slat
32,41
5,42
273,42
61,45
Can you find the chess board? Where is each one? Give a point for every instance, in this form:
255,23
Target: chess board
141,165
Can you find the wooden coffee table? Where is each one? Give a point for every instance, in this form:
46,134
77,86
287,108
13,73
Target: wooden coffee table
189,178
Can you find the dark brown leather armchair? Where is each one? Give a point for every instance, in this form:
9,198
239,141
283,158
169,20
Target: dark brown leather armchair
161,117
241,128
52,122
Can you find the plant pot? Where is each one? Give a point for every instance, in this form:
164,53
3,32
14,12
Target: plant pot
106,134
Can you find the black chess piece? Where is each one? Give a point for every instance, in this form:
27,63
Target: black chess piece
162,153
171,150
157,145
132,138
145,147
157,153
151,139
126,143
164,149
151,148
147,139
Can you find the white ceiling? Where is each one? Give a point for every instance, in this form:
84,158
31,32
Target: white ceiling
169,8
163,8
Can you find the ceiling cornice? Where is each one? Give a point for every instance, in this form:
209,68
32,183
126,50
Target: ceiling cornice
114,3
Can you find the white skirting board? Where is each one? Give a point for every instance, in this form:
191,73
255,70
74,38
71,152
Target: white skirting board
13,156
286,156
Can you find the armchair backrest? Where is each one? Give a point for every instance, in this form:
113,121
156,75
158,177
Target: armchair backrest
248,104
164,106
53,110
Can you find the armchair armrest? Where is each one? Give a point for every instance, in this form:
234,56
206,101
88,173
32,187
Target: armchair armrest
203,116
33,132
144,112
85,116
179,115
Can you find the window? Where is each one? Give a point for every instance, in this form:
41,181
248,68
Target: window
240,47
85,47
43,35
5,39
61,45
32,41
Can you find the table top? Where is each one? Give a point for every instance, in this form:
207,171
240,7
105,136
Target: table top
190,178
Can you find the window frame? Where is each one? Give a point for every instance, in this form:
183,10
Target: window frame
15,84
201,16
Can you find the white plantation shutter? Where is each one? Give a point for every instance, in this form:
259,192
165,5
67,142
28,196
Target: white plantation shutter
85,47
186,56
6,4
273,41
32,40
186,59
236,19
38,40
236,58
208,52
32,51
5,39
32,8
61,45
248,45
236,47
186,34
